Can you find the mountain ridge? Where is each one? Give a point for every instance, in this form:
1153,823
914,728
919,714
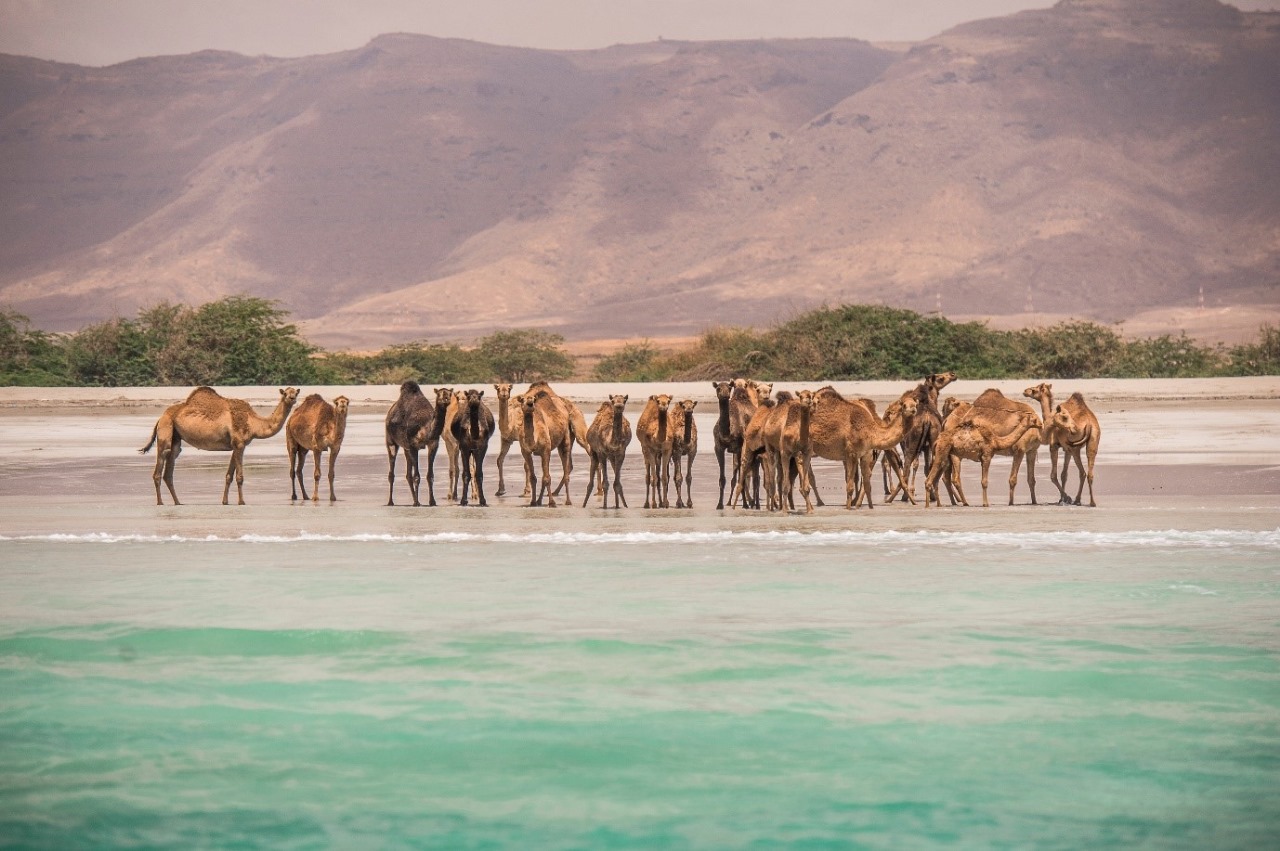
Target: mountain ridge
1101,158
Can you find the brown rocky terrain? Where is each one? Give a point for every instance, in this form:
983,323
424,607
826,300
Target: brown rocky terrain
1106,159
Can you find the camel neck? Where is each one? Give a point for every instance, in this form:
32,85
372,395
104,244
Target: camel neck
270,426
617,426
662,426
805,411
473,412
724,416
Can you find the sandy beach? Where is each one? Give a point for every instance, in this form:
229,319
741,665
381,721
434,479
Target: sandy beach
1189,437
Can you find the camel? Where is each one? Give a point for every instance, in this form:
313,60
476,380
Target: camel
412,424
451,446
576,422
917,443
737,400
471,429
869,434
608,437
973,440
684,444
829,427
1080,429
543,428
754,456
788,440
1000,415
509,419
212,422
726,442
315,426
656,435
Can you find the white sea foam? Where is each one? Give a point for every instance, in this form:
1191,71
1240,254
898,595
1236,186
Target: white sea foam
1204,539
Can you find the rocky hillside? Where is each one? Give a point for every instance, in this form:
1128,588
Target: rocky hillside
1102,158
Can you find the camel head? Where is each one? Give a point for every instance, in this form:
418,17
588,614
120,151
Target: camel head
444,395
528,403
340,405
724,389
289,395
663,401
1063,420
686,407
1040,391
949,404
616,403
764,388
473,398
908,407
938,380
503,391
807,398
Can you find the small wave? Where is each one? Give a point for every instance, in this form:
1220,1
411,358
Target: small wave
1204,539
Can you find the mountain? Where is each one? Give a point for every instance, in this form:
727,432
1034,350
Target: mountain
1102,158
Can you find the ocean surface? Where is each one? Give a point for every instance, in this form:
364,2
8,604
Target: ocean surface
363,676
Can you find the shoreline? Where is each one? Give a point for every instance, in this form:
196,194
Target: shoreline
368,397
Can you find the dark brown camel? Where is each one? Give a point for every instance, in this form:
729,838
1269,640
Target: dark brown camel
412,424
471,429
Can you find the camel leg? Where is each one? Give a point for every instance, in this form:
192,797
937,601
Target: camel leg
162,460
679,477
431,474
720,461
413,474
617,481
806,483
333,459
688,480
502,456
392,450
1058,481
595,471
1013,474
566,466
864,465
1031,473
546,479
315,489
986,468
1093,454
1081,475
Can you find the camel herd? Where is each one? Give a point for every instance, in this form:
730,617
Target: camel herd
762,441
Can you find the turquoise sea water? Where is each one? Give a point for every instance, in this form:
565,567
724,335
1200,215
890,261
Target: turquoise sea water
688,687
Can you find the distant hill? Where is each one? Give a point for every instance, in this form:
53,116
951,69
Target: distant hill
1103,158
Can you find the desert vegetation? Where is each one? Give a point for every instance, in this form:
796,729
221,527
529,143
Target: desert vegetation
247,340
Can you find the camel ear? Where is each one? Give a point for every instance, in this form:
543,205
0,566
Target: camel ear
694,405
653,398
283,392
481,394
625,398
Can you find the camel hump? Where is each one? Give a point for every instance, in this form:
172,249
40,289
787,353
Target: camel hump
202,390
410,387
784,396
1077,398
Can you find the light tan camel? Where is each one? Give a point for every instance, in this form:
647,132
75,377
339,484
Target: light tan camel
831,428
608,436
789,442
1000,415
754,462
215,423
972,440
576,422
684,445
656,434
543,429
869,434
315,426
1080,431
510,417
414,423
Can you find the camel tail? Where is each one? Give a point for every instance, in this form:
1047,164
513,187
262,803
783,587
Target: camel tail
150,443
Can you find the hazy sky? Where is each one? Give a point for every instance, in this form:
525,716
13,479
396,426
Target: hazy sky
101,32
